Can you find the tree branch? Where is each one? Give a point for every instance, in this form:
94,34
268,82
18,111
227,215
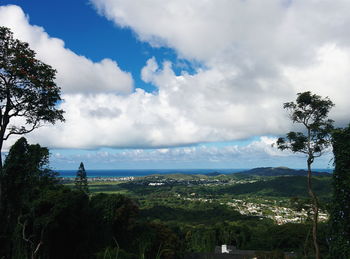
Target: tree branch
22,130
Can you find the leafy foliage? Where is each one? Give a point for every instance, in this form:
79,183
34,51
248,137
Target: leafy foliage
27,92
81,182
58,219
275,171
27,88
287,186
191,213
311,111
24,176
49,220
340,216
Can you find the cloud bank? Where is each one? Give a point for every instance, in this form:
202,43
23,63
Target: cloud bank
253,56
258,153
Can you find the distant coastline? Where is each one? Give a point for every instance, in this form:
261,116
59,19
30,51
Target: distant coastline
143,172
109,173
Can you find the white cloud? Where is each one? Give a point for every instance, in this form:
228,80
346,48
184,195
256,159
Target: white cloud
254,56
208,30
258,153
137,120
250,43
329,76
76,74
177,115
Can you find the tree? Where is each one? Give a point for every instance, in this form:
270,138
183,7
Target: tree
116,217
24,168
24,176
58,221
340,212
311,111
27,89
81,179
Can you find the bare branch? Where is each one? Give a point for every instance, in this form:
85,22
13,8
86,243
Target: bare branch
13,131
24,225
3,78
39,244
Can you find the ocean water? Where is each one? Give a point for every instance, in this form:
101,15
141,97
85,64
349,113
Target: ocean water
145,172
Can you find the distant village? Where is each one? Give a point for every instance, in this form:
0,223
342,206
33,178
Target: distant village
263,209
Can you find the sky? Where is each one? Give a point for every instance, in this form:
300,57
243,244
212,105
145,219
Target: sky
186,83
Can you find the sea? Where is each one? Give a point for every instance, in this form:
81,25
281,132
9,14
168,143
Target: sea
146,172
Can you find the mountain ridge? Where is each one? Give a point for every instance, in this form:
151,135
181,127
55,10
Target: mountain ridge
279,171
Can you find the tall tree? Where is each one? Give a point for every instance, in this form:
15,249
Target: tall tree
27,89
81,179
311,111
340,213
25,174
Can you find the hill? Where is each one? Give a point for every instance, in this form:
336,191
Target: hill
278,171
283,186
213,174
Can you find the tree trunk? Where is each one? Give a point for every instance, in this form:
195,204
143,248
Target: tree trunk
314,208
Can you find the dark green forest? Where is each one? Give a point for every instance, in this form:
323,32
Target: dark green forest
44,218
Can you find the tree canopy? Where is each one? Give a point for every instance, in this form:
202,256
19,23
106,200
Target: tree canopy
81,179
340,212
27,88
24,176
311,111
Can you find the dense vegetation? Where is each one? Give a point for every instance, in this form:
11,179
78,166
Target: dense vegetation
42,218
340,213
197,215
46,219
277,188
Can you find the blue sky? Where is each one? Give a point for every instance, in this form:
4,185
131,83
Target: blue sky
184,84
91,35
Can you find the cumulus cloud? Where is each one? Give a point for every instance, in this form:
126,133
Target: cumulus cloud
179,114
256,154
75,74
207,30
136,120
253,56
329,76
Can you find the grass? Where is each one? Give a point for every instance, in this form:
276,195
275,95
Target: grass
107,188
